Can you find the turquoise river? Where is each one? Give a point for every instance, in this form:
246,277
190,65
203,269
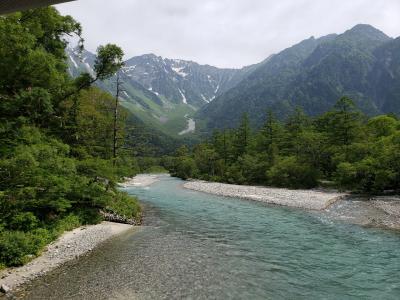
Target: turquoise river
198,246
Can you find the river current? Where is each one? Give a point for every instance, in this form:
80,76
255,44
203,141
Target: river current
198,246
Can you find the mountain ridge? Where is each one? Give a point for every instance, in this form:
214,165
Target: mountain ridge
161,91
312,74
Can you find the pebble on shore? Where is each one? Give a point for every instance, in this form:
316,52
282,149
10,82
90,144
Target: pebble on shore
4,289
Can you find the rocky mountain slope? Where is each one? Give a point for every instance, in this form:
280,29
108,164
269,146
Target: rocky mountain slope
163,92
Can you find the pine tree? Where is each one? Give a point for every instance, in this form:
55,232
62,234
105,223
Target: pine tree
242,138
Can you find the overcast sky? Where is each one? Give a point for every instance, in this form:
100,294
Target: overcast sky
225,33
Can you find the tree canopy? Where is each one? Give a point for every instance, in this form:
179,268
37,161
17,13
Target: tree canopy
56,167
341,148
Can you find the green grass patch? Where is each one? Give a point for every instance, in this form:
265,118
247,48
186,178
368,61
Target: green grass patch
125,205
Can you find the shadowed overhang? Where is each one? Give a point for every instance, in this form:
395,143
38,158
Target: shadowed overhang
9,6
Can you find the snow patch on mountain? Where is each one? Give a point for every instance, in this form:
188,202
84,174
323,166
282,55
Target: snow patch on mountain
204,98
217,89
184,100
126,94
178,70
154,92
129,68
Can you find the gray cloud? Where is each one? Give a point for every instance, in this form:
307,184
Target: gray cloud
227,33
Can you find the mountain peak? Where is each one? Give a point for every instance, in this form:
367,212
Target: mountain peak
364,27
367,30
151,56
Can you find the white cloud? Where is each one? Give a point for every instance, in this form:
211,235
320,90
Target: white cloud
229,33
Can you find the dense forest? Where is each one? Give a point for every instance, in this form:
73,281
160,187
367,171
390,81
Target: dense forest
62,140
342,148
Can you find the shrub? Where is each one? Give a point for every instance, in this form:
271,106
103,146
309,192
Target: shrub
17,247
365,176
125,205
24,221
65,224
346,175
186,168
288,172
89,216
234,174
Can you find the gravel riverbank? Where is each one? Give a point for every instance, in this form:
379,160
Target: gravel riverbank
379,212
69,246
140,180
307,199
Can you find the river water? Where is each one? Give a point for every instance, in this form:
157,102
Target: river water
198,246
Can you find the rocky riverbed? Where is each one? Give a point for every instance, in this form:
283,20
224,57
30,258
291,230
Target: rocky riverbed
140,180
307,199
69,246
380,212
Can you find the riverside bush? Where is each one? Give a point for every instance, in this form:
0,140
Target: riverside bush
17,247
24,221
288,172
124,205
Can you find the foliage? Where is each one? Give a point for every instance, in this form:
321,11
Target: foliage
362,63
341,146
18,247
56,138
288,172
155,170
124,205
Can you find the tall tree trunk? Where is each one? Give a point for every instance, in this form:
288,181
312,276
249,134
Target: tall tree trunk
115,127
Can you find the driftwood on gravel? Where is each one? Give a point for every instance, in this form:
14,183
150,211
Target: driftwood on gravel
112,217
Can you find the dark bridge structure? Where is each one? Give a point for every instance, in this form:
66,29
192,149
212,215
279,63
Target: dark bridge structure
10,6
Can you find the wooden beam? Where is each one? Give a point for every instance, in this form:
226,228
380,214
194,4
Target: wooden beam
10,6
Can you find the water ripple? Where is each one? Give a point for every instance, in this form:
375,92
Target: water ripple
197,246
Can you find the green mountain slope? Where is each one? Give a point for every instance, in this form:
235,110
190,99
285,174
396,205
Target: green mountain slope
313,75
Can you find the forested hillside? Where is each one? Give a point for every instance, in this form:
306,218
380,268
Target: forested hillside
58,163
361,63
342,148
